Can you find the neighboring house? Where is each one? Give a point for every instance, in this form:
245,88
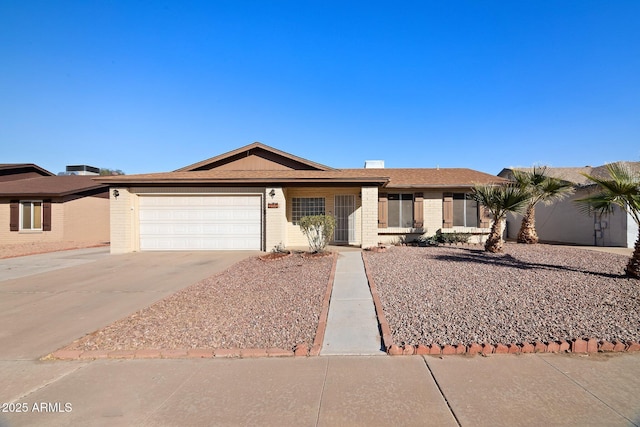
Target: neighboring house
564,221
37,206
252,198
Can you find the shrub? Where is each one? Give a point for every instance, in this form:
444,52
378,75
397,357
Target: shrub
454,237
318,229
427,241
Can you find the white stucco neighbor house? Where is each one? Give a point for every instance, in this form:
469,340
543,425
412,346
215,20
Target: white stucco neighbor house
251,198
564,222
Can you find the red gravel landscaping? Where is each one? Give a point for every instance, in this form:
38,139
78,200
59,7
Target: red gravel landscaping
253,304
530,293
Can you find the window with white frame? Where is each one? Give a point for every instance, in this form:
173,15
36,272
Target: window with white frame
31,215
305,206
400,210
465,211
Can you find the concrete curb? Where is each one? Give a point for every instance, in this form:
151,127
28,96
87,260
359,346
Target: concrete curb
576,345
300,350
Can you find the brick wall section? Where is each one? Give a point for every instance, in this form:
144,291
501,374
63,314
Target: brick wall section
121,215
369,217
275,219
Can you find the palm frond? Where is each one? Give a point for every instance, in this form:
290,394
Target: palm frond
621,188
500,199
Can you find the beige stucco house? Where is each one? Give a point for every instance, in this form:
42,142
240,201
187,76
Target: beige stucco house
252,198
37,206
565,222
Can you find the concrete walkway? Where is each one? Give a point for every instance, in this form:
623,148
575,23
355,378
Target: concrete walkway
352,324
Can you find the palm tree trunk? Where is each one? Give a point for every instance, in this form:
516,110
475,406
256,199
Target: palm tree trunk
494,241
527,233
633,267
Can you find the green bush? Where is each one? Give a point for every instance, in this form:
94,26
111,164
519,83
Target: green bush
454,237
427,241
318,229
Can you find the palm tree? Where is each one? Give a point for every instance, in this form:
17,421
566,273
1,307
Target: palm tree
621,188
542,188
499,200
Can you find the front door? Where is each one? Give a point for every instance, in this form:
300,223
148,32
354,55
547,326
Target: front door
345,207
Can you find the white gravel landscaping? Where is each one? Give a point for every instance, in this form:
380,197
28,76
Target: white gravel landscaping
461,295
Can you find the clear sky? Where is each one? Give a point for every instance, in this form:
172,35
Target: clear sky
154,86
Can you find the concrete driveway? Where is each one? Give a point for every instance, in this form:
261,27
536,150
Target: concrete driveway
49,300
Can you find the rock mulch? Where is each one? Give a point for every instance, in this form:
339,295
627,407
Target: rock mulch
255,308
448,300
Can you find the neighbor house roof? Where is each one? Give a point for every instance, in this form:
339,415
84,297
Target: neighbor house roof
576,175
49,186
11,171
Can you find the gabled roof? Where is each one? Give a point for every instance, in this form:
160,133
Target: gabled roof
258,149
575,175
49,186
215,171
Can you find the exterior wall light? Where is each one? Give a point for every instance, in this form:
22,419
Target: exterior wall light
116,193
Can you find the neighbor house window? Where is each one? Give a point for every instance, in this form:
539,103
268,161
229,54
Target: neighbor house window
31,215
400,210
465,211
305,206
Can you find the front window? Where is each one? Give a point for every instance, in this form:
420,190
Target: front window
31,215
465,211
305,206
400,210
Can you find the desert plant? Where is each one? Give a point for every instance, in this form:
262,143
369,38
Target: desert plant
451,238
499,200
318,229
541,188
279,249
427,241
621,188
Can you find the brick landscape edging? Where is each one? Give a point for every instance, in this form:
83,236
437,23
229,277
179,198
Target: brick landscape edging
300,350
324,314
576,345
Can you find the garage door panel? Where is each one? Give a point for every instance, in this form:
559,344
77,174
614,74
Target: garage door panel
200,223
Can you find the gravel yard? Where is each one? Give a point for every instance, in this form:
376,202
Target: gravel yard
253,304
22,249
461,295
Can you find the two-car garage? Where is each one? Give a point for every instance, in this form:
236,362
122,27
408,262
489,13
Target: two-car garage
200,222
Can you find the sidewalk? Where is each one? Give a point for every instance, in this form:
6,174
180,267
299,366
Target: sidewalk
526,390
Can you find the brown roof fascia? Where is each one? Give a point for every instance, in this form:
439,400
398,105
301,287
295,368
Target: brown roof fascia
248,148
247,181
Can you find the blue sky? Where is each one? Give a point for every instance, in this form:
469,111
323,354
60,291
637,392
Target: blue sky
154,86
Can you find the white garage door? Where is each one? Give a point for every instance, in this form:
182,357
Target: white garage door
200,223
